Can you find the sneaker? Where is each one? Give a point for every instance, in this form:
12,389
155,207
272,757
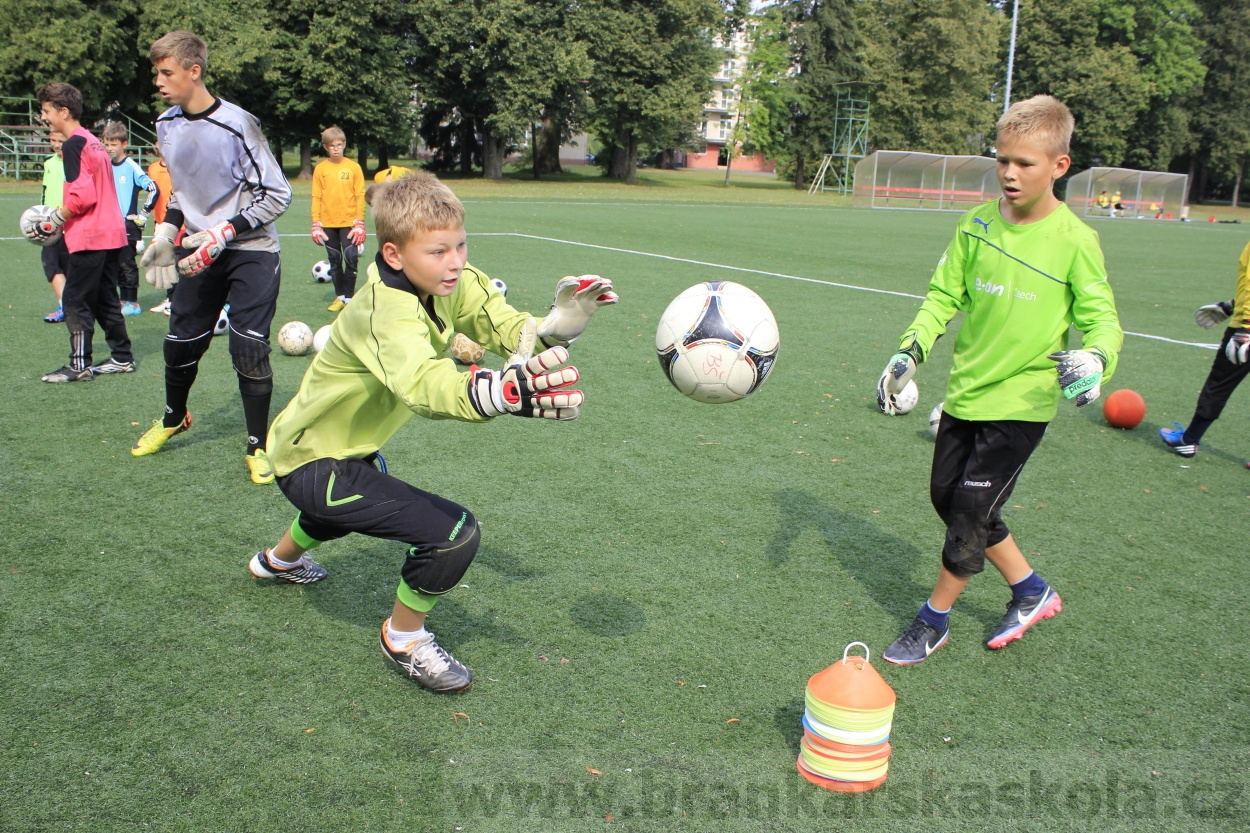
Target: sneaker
161,308
111,365
336,305
68,374
306,570
428,664
1174,438
1024,613
56,316
917,642
259,468
130,308
156,436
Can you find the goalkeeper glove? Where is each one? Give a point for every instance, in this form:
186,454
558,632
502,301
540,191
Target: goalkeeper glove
526,388
1238,348
139,219
898,372
357,235
159,257
1211,314
576,300
1080,374
319,235
47,228
208,245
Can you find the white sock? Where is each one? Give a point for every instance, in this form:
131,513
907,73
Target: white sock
401,638
280,564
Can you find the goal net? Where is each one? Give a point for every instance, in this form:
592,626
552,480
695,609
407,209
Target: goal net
1141,193
903,179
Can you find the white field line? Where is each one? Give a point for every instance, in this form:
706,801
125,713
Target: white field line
776,275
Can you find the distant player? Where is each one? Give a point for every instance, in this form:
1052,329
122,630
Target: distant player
130,181
55,257
393,172
94,236
1022,269
158,172
228,190
1232,363
338,214
384,362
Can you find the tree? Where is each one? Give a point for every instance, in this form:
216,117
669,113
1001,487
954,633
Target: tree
652,72
1222,112
932,66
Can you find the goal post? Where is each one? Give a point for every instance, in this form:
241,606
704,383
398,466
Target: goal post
910,180
1155,194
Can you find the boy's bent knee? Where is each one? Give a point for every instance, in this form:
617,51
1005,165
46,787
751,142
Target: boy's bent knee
436,568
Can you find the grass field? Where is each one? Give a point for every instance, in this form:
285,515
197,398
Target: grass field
657,580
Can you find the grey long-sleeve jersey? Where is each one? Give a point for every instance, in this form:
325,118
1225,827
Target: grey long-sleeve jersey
223,171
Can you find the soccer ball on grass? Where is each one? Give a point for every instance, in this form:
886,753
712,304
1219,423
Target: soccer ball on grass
321,271
717,342
295,338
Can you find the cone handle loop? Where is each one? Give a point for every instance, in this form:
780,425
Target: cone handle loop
852,645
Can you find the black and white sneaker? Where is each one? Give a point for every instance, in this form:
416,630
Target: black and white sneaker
306,570
68,374
917,642
427,663
111,365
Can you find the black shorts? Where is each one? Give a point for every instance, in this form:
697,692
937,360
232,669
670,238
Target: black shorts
975,467
55,259
1221,381
246,280
338,497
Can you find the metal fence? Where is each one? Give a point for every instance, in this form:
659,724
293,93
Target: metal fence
24,139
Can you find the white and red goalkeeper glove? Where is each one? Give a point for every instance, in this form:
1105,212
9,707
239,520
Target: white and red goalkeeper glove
46,229
898,372
357,235
1237,350
576,300
524,387
1208,315
208,245
159,258
319,235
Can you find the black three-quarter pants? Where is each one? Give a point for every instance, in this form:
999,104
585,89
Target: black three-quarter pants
1221,382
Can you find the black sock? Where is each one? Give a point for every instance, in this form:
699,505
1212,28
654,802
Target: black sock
1197,427
178,382
256,395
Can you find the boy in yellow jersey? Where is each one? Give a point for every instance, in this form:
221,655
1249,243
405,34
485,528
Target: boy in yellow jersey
383,363
338,214
1023,270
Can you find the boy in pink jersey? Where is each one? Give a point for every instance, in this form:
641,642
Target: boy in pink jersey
95,234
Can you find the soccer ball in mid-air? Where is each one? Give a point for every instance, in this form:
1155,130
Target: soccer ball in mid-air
500,286
32,218
295,338
320,338
321,271
465,350
223,322
935,418
906,399
717,342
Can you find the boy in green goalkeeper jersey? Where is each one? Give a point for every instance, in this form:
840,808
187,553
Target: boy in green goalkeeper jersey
1023,269
385,361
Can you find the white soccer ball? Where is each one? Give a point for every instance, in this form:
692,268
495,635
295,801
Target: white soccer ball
321,271
906,399
717,342
320,339
935,418
223,322
500,286
295,338
31,219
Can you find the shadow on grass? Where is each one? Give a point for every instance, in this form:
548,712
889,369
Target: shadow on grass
788,720
606,614
1148,434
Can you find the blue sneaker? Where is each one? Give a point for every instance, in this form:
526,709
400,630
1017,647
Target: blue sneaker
130,308
56,316
1174,438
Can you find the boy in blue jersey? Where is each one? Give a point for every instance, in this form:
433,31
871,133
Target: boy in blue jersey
130,181
386,361
1023,270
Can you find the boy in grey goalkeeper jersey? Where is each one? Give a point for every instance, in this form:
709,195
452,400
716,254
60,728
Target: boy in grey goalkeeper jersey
227,191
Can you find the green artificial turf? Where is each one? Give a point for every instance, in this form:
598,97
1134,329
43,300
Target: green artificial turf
657,580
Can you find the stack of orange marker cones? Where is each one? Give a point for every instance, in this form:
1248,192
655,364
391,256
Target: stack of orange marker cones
846,726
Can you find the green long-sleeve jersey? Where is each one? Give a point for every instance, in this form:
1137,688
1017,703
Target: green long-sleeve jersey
386,361
1021,288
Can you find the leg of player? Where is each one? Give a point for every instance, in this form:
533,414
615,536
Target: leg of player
351,257
1032,599
111,320
334,254
128,281
82,278
253,279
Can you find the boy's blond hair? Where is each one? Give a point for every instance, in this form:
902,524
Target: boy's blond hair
333,134
406,207
115,130
187,48
1043,119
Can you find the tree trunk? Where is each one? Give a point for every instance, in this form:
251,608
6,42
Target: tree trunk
1189,185
305,159
624,165
466,146
799,181
547,153
1202,183
492,156
384,156
362,155
276,146
729,160
1241,168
